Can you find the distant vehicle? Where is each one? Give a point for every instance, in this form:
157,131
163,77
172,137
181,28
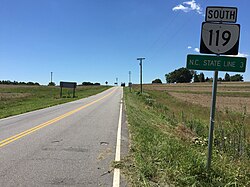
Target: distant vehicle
123,84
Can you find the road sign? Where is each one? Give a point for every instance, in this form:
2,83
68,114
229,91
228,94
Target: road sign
219,63
219,38
68,84
221,14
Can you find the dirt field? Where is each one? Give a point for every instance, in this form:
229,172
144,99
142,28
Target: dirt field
233,96
222,102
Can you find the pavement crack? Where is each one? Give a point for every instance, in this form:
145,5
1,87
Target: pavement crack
57,141
106,173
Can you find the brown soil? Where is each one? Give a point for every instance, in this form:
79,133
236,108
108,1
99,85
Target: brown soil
222,103
201,87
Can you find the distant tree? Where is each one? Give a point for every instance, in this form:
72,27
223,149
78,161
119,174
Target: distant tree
227,77
209,79
220,79
196,77
202,77
181,75
157,81
168,78
51,84
22,83
15,83
8,82
30,83
106,82
90,84
237,77
87,83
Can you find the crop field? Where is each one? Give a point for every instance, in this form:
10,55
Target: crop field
169,126
233,96
20,99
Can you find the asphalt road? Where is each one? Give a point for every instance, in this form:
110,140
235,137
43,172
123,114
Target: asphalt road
72,144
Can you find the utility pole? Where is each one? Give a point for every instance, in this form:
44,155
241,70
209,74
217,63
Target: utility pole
129,82
51,74
116,81
141,59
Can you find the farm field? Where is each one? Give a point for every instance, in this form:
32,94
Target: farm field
16,99
169,126
233,96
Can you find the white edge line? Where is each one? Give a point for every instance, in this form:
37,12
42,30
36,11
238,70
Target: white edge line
116,178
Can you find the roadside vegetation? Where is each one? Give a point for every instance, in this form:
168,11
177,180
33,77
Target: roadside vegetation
16,99
169,138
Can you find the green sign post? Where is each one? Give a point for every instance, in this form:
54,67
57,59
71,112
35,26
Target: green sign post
219,63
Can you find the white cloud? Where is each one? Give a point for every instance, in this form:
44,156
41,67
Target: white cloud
189,47
197,50
188,6
181,7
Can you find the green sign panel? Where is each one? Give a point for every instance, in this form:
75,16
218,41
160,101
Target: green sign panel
220,63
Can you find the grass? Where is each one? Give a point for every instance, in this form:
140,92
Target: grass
169,144
20,99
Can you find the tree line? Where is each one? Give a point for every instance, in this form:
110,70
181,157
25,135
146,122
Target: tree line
184,75
90,84
8,82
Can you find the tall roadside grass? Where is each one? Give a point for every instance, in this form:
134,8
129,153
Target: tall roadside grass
20,99
169,144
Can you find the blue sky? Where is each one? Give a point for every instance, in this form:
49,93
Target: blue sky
99,40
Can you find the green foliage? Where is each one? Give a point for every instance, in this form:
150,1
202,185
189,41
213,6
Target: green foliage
20,99
220,79
8,82
90,84
157,81
237,77
209,79
169,144
227,77
196,78
52,84
202,77
181,75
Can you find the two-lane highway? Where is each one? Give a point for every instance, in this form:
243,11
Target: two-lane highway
72,144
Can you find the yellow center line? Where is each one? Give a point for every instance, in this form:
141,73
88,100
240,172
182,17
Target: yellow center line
33,129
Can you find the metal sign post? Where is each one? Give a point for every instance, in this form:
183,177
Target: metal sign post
129,81
218,37
141,59
212,119
68,85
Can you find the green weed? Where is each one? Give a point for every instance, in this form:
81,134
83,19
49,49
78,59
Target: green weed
169,145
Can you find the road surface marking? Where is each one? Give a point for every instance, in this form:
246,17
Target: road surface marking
31,130
116,178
